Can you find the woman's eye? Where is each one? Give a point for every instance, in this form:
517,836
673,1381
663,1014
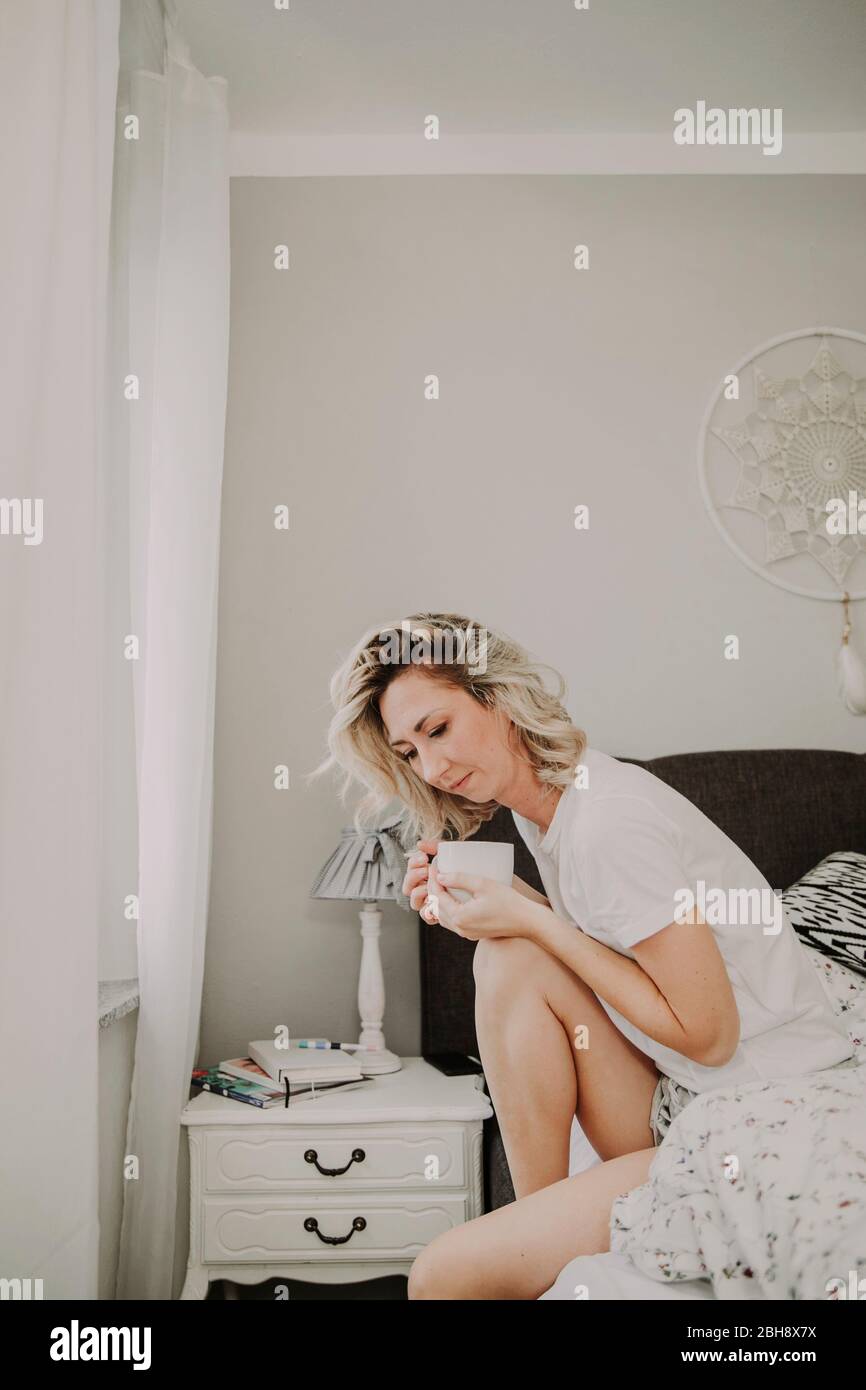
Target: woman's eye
407,757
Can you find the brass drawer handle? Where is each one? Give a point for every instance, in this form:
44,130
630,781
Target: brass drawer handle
311,1224
311,1156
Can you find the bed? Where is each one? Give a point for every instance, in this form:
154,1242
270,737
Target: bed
757,1192
788,810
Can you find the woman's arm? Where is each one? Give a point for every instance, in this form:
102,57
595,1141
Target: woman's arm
520,887
677,991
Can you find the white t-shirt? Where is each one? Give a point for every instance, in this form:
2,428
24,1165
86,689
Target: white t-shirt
615,860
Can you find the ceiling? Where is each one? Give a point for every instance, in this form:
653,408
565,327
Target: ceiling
364,67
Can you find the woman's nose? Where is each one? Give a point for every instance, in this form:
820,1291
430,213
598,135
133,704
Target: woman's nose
434,768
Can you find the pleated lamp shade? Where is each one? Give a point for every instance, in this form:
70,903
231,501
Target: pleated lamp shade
368,867
365,867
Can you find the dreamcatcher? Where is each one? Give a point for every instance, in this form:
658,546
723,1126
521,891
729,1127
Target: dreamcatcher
792,415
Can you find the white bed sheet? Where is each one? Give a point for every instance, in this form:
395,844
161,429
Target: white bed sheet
612,1276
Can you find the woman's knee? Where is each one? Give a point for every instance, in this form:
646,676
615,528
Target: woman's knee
498,959
422,1279
434,1273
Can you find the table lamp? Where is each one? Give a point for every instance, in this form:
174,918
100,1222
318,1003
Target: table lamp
368,867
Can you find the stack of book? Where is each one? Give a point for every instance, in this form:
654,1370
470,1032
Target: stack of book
274,1075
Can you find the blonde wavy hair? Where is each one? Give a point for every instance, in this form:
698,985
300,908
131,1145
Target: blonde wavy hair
511,682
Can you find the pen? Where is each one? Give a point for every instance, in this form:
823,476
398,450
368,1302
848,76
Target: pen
323,1043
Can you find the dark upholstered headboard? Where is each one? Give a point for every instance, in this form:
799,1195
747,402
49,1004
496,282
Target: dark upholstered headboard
786,808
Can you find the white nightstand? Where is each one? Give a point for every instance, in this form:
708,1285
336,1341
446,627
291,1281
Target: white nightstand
402,1163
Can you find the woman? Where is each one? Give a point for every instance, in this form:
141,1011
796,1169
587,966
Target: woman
608,998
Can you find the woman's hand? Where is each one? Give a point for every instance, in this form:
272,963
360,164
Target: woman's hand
415,883
493,909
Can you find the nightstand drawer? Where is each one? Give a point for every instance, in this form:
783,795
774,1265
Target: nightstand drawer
261,1229
416,1156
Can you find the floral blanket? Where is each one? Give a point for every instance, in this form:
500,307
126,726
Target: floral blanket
762,1188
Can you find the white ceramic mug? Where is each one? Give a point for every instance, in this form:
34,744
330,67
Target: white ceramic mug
486,858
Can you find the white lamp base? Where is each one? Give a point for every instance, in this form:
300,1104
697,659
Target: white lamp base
371,999
377,1063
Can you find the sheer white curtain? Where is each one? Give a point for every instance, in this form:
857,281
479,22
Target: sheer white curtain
167,399
58,89
113,363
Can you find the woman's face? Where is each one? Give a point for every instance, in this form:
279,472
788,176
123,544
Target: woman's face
459,745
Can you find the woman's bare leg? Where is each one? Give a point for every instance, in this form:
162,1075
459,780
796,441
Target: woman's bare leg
527,1007
518,1251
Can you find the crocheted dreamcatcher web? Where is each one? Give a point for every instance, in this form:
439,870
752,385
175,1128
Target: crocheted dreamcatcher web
798,435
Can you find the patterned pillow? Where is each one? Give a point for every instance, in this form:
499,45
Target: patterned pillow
827,909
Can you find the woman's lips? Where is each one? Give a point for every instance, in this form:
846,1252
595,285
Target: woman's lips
462,782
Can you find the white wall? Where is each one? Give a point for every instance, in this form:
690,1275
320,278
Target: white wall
556,388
